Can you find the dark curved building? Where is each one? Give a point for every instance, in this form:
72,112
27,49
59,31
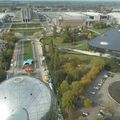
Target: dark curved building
108,42
26,98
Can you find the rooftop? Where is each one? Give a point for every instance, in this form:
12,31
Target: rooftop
2,15
109,41
24,96
115,15
91,13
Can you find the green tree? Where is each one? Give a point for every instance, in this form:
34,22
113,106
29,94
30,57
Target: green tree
54,32
64,86
2,75
68,101
67,34
87,103
77,88
90,35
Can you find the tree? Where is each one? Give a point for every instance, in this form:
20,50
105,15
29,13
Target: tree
90,36
54,32
9,37
68,101
56,62
87,103
67,34
77,88
2,75
64,86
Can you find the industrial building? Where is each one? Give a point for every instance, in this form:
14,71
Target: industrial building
26,98
75,19
108,42
72,19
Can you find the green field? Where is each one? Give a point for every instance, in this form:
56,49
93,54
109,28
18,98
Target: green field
27,31
80,45
26,25
101,30
27,50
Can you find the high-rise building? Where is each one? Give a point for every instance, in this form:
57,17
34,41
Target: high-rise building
26,14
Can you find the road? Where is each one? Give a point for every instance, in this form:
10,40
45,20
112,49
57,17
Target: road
36,54
17,60
38,57
47,27
19,55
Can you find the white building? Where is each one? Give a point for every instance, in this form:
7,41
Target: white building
96,16
2,16
115,17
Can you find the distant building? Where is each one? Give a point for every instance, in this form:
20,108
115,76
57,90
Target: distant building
2,17
93,17
115,17
26,14
18,16
75,19
71,19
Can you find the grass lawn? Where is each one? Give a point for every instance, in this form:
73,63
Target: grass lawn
81,45
26,25
101,30
27,50
27,31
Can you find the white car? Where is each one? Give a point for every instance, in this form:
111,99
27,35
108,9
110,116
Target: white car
92,92
96,88
85,114
105,76
99,84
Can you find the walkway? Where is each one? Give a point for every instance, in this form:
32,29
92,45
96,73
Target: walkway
91,53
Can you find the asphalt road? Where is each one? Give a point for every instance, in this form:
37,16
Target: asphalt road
17,60
47,27
20,52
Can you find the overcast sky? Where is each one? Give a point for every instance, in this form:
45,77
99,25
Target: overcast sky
61,0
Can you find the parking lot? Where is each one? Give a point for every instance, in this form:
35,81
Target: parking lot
98,93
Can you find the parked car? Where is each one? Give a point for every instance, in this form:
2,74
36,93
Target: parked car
106,76
92,92
99,84
85,114
97,88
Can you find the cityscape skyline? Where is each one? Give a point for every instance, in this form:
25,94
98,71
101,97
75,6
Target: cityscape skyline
65,0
